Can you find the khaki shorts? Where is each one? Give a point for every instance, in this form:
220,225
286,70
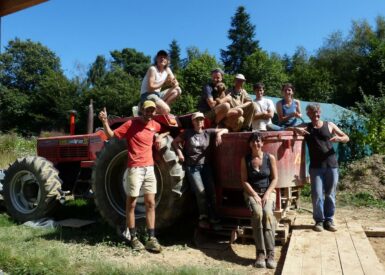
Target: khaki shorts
140,177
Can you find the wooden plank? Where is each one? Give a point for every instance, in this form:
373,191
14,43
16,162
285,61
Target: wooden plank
350,262
368,258
294,256
312,259
371,231
329,254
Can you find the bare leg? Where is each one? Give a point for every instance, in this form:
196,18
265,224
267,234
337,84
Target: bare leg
235,112
130,211
149,201
162,107
221,111
171,94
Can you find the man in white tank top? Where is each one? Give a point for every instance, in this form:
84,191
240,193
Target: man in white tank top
156,77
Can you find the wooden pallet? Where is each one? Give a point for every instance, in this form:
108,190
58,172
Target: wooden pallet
347,251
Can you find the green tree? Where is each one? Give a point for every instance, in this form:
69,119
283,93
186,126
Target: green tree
131,61
116,87
241,35
97,70
24,64
192,79
174,52
312,83
35,95
260,67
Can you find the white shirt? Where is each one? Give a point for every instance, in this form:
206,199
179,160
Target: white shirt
159,78
263,105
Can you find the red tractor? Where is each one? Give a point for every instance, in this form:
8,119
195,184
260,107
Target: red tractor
90,166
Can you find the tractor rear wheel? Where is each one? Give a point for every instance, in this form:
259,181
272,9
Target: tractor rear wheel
31,188
108,178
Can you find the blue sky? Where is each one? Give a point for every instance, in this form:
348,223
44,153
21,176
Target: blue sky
79,30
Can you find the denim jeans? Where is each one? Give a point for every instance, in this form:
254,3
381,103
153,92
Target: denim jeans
202,183
263,222
323,192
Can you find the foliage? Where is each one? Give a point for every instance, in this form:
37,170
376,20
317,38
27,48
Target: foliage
34,93
174,54
116,87
131,61
372,108
311,83
12,146
192,79
241,35
97,71
260,67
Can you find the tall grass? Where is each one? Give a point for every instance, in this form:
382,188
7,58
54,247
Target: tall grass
13,146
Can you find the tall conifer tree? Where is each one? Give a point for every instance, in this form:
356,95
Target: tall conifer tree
241,34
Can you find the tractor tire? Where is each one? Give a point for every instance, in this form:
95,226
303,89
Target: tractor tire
31,189
109,174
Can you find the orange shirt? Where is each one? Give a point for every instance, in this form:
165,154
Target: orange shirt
140,138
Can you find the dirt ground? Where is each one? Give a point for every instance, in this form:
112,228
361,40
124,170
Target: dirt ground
211,251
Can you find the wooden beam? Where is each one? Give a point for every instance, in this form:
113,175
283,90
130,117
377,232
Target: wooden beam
368,258
374,231
11,6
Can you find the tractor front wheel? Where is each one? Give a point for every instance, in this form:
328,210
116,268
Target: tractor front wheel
31,188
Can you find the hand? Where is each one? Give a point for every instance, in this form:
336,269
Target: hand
218,140
257,198
180,156
265,198
157,143
296,114
103,115
301,131
335,139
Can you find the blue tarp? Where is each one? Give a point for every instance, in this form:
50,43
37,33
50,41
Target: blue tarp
329,112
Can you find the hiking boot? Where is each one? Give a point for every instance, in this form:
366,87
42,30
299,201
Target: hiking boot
261,260
136,244
270,263
329,226
319,227
204,223
153,245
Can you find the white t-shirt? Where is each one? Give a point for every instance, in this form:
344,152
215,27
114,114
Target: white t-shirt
159,78
263,105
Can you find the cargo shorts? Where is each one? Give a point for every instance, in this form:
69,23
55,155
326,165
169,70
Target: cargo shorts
140,178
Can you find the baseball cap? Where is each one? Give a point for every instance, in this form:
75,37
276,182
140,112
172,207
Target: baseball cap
148,104
197,115
240,76
162,53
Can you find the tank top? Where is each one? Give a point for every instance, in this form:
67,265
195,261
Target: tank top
259,180
321,151
287,110
159,77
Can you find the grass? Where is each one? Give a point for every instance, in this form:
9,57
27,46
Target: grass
12,146
25,250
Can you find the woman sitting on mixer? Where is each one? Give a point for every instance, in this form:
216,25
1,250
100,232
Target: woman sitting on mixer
259,179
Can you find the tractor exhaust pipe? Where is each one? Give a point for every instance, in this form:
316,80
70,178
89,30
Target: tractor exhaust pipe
90,120
72,121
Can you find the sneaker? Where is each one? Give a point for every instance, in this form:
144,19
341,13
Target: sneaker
270,262
136,244
319,227
153,245
329,226
261,260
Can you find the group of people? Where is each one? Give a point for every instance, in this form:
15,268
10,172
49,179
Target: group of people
227,110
